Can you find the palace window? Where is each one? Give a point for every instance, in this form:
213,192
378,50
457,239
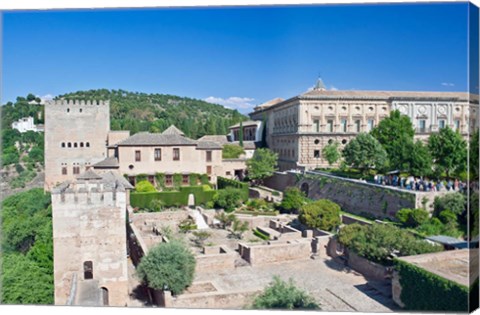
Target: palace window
457,124
330,125
176,154
209,156
75,145
69,145
158,154
64,170
138,156
370,124
63,144
316,125
87,144
185,179
209,169
422,125
357,125
316,154
344,125
76,170
81,144
441,124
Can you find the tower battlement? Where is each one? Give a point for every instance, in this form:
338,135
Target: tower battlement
64,102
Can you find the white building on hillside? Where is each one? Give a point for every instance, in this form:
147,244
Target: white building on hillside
26,124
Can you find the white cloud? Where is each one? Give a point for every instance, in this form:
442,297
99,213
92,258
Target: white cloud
447,84
332,88
46,97
241,104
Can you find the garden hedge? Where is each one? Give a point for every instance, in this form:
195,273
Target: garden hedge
173,198
425,291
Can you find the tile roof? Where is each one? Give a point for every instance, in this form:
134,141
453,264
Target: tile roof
146,138
208,145
89,174
172,130
215,138
381,95
109,162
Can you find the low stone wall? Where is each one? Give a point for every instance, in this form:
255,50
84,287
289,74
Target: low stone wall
165,218
275,251
367,268
254,221
215,259
212,300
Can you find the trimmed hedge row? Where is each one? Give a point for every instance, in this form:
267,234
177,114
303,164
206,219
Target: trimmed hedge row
261,235
172,198
223,182
425,291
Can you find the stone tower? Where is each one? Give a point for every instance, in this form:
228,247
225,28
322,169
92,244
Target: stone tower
75,138
89,240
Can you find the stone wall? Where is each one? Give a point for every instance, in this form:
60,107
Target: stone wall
275,251
212,300
352,195
367,268
215,258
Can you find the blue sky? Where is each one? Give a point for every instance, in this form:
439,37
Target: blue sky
236,56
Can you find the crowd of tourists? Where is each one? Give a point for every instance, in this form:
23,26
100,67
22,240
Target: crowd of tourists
419,183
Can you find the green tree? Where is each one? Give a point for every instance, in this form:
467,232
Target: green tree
419,161
200,237
455,202
331,153
474,152
144,186
395,133
449,150
412,217
293,199
232,151
322,214
167,264
30,97
364,152
262,164
284,295
228,198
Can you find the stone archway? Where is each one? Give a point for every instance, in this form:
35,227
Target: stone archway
305,188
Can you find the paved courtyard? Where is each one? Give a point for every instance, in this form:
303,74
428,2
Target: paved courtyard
334,286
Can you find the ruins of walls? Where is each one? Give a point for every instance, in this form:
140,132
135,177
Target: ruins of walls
354,196
212,299
215,258
275,251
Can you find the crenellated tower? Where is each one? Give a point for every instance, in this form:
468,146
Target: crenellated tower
75,138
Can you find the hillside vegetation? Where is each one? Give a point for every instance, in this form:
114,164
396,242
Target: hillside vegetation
27,249
156,112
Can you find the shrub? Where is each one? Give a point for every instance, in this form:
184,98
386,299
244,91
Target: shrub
187,225
412,217
293,199
322,214
454,202
229,199
378,242
284,295
144,186
261,235
232,151
168,264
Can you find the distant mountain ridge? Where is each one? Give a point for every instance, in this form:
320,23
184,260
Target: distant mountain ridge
137,112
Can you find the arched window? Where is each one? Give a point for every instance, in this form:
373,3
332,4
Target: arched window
87,144
69,144
87,270
81,144
80,110
63,144
68,110
75,145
